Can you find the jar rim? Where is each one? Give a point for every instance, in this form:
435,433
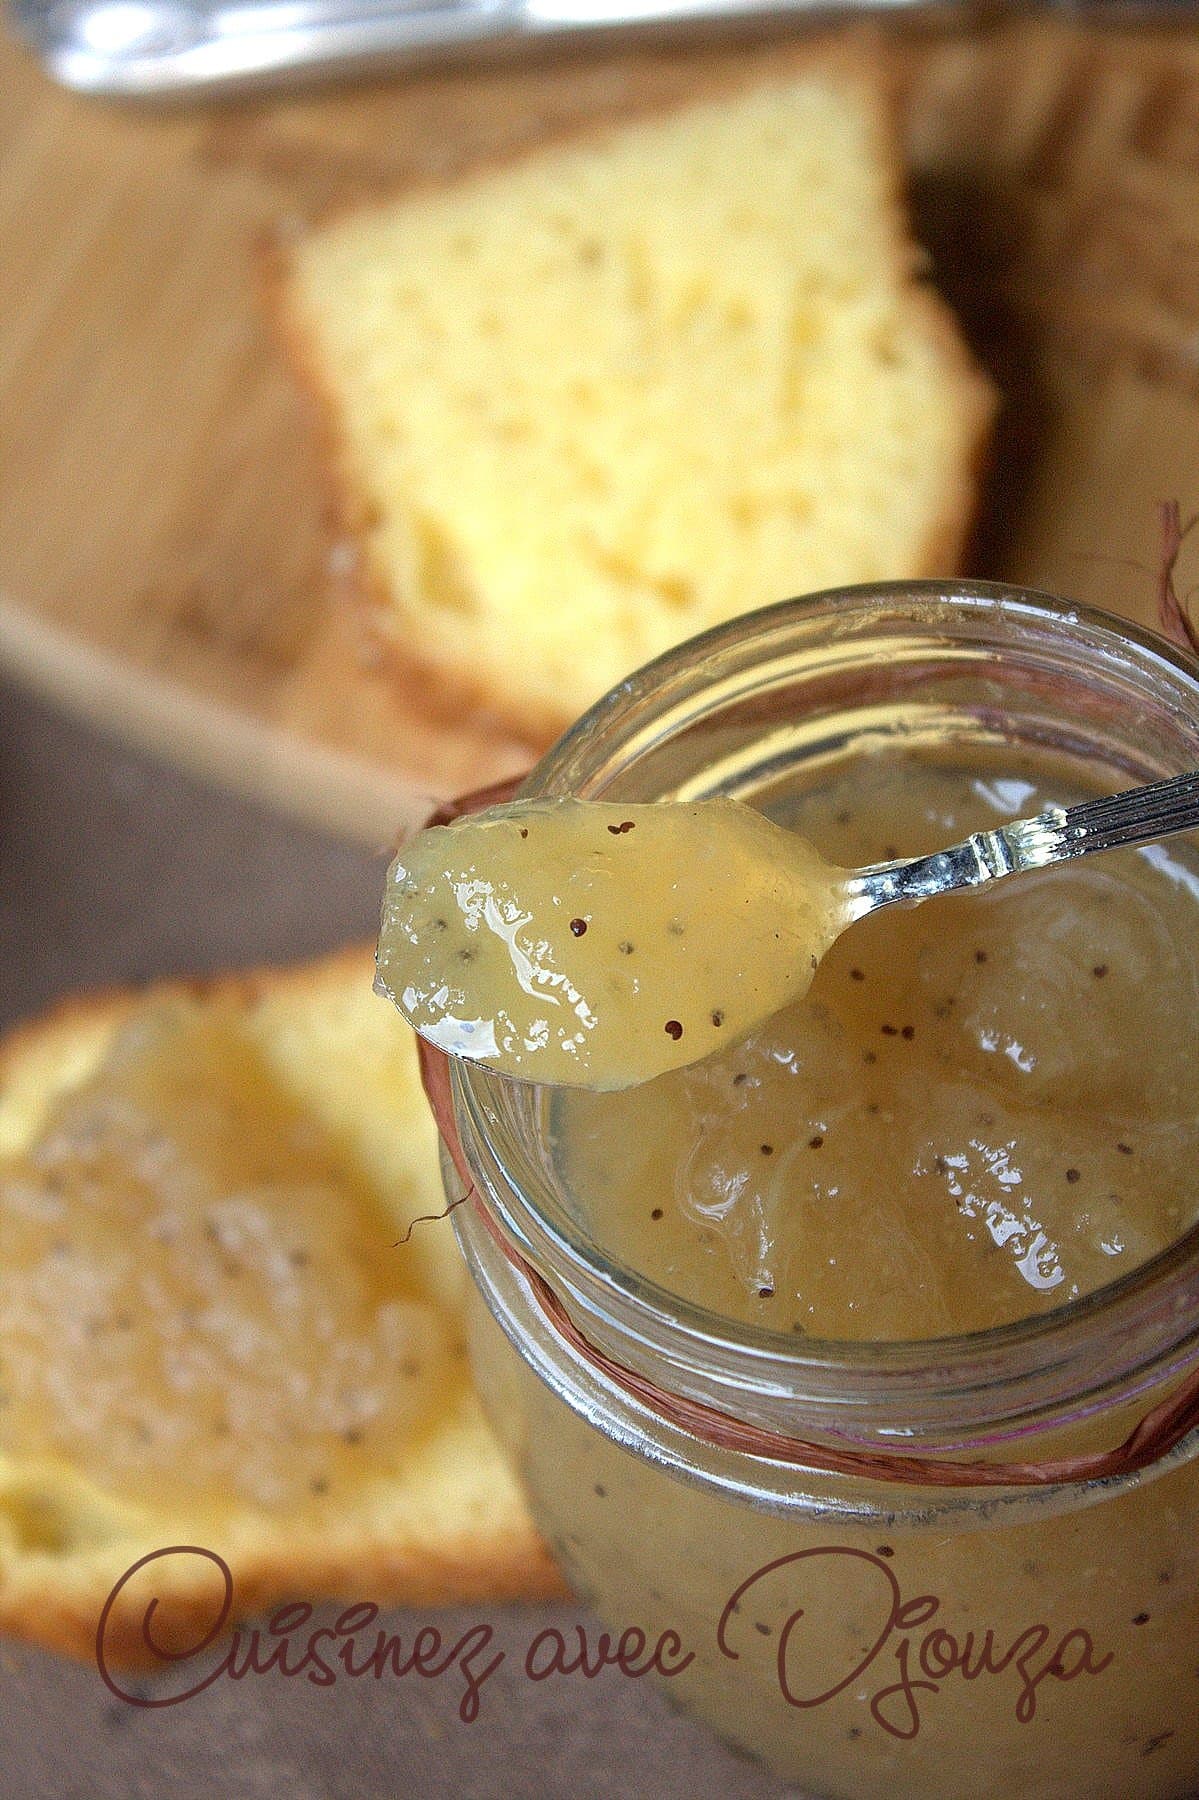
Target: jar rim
1126,1337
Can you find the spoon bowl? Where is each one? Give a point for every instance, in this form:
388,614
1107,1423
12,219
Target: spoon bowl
587,944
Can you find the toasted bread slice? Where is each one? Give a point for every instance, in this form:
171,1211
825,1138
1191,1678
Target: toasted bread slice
279,1145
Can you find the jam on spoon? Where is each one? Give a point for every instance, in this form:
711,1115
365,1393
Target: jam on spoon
591,944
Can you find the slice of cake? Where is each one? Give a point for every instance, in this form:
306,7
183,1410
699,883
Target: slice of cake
211,1332
596,400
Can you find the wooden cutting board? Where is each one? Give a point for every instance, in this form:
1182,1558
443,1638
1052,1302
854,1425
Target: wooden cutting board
164,563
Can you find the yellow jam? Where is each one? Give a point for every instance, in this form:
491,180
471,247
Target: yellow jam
983,1107
202,1302
578,942
1008,1591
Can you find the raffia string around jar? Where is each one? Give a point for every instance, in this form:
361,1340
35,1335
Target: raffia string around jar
1162,1428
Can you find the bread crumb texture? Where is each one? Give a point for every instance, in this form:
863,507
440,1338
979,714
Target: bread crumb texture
209,1333
592,402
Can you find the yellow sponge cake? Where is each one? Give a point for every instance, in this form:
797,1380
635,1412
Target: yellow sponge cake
592,401
211,1334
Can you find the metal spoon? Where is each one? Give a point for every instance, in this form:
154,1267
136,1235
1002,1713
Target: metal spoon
690,923
1138,816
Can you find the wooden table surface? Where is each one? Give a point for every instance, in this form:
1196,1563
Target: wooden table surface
165,566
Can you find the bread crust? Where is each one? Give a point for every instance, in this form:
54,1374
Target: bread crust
56,1599
63,1615
441,686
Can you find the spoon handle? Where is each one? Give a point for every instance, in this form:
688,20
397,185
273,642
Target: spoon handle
1138,816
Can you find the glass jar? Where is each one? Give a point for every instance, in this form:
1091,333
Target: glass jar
864,1629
